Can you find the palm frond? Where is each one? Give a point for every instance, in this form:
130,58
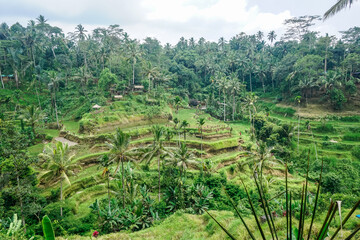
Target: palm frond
337,7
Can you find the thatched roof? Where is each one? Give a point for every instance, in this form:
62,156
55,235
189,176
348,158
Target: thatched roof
96,106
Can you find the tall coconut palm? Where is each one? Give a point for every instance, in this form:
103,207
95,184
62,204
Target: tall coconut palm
223,85
60,166
156,150
134,54
184,125
169,134
235,87
119,152
259,35
250,101
151,73
32,116
105,163
337,7
52,85
272,36
201,122
182,158
262,159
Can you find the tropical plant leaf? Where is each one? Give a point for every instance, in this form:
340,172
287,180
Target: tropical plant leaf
48,228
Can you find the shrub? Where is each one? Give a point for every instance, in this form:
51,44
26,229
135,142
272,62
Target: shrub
352,137
325,128
331,182
337,98
356,152
350,119
284,111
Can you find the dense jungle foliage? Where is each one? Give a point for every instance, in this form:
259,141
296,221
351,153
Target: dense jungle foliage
106,134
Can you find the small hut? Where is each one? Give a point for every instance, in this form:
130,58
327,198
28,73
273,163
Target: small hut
96,107
138,88
118,97
7,78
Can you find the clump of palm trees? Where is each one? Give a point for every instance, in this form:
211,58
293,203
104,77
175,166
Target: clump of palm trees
60,166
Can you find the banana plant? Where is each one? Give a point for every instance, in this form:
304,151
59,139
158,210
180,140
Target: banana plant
48,230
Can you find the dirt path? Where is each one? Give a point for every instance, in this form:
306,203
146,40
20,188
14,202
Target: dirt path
64,140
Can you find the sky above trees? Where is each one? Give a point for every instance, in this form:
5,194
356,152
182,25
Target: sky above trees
168,20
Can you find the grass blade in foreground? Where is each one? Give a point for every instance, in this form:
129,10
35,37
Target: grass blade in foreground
224,229
238,213
346,219
316,199
353,233
253,211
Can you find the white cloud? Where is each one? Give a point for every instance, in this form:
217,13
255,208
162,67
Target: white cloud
231,13
168,20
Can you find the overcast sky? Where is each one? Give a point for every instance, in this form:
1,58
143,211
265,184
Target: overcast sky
168,20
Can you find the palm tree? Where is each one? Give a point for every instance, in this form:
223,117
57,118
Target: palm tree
41,20
250,101
331,79
54,79
298,101
32,116
223,85
134,53
60,166
259,35
184,125
119,152
105,163
272,36
169,134
262,158
305,85
235,87
151,73
337,7
156,150
201,122
182,158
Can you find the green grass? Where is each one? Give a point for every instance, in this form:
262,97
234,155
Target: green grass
50,132
35,149
71,126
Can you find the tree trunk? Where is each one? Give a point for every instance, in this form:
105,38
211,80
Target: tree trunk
108,178
2,82
159,177
16,79
133,73
201,142
61,197
325,65
233,115
250,84
123,180
298,127
263,84
56,112
33,129
37,94
224,107
21,201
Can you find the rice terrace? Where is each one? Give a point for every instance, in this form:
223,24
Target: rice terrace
159,133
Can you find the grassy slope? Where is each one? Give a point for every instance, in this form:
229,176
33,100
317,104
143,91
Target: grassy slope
89,185
187,226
